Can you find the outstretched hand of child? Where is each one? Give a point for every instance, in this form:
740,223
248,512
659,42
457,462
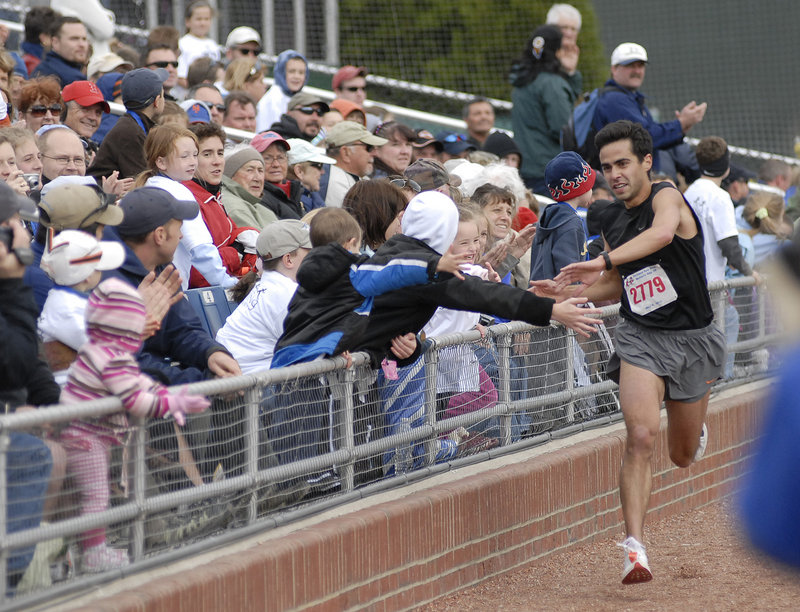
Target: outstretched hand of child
182,403
496,255
573,316
492,275
404,346
450,262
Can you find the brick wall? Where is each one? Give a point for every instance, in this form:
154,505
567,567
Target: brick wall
435,541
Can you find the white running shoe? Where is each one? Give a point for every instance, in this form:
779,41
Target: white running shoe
101,558
636,568
701,447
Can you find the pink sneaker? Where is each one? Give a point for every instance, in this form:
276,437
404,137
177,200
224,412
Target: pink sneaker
101,558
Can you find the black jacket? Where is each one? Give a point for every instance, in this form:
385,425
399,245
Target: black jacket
275,199
409,309
24,378
122,149
288,128
329,311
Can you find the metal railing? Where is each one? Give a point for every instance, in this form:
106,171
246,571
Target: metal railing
287,443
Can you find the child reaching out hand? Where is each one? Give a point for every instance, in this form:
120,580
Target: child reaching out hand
106,365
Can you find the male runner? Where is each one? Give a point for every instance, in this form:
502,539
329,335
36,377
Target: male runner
666,345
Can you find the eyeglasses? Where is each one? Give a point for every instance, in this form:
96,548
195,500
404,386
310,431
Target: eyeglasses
281,158
163,64
315,165
40,110
310,110
369,148
402,183
247,51
63,160
354,89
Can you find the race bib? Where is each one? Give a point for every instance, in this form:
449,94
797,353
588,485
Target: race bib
649,289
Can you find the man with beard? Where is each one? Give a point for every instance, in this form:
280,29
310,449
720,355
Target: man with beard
304,117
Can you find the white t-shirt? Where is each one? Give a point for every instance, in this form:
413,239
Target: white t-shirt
714,208
192,48
270,107
251,332
458,365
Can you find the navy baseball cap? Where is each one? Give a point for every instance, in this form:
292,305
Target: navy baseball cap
141,86
147,208
455,144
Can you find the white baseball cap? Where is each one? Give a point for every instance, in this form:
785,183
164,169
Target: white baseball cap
627,53
241,35
303,151
72,256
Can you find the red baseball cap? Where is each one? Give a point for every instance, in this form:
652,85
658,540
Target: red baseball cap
84,93
345,73
263,140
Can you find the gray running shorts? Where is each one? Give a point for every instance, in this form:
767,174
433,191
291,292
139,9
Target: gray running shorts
689,360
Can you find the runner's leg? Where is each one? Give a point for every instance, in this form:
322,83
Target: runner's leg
640,394
685,421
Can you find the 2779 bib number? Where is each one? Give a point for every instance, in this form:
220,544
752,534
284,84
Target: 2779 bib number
649,289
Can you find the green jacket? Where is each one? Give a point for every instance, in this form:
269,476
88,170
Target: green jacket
243,207
541,109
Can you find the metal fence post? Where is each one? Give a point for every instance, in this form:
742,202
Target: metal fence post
299,10
332,32
569,376
267,26
5,442
504,379
139,480
251,399
431,374
347,427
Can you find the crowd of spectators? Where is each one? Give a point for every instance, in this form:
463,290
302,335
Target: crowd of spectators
402,229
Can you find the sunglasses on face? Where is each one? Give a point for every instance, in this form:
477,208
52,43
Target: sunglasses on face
354,89
246,51
369,148
219,107
40,110
163,64
315,165
402,183
310,110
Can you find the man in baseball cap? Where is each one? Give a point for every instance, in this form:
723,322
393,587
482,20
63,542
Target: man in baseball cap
350,83
352,146
621,99
250,333
426,146
303,118
243,41
123,147
84,108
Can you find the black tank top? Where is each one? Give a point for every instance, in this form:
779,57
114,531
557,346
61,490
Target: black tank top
683,262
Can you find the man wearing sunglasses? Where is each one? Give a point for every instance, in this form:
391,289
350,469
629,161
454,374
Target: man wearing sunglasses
352,146
68,54
304,117
163,56
350,83
243,41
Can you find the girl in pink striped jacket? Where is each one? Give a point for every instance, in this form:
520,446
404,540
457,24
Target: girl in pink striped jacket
115,320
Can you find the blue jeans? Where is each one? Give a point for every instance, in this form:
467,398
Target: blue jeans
28,465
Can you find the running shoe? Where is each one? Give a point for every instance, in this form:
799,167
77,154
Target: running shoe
636,568
701,448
